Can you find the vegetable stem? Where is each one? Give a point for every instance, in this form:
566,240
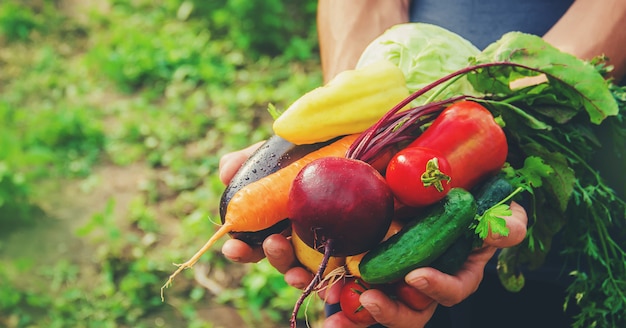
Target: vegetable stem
604,237
328,246
440,90
532,121
433,176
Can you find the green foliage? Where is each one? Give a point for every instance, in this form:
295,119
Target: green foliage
16,21
119,295
272,27
199,41
267,294
154,53
159,88
14,190
53,142
569,194
15,204
575,85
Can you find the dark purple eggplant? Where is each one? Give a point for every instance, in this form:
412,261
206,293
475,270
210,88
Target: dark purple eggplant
273,155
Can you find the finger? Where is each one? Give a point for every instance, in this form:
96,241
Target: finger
449,290
330,292
394,314
231,162
238,251
279,252
516,223
339,320
298,277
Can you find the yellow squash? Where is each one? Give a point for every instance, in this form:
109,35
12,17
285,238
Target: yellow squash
311,259
350,103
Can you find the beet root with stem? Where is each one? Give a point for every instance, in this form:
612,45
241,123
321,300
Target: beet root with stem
340,207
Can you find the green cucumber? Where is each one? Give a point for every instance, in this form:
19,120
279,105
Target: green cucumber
422,240
491,193
455,256
487,195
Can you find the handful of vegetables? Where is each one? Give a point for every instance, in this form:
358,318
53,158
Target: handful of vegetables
424,174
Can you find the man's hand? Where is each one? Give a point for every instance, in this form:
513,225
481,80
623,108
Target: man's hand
231,162
444,289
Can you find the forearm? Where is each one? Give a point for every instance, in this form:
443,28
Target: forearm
345,28
592,28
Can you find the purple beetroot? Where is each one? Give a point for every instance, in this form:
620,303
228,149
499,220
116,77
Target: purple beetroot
340,207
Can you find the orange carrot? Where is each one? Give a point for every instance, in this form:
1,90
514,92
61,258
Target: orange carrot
263,203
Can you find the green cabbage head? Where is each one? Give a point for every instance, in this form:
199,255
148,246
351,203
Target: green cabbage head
424,53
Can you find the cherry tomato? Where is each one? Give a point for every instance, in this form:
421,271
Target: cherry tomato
469,137
350,304
419,176
411,297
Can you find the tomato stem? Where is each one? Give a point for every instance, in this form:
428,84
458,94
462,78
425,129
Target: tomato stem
433,176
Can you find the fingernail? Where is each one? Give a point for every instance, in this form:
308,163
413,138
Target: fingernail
273,251
299,285
496,236
416,281
233,257
373,308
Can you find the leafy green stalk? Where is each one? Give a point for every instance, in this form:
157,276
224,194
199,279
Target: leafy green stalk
491,219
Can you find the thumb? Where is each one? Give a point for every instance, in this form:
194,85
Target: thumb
394,314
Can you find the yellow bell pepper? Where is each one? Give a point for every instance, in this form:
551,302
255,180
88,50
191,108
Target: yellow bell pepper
350,103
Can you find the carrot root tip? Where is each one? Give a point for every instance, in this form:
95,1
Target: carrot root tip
168,283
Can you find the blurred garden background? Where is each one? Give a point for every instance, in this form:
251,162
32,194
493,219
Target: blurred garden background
113,117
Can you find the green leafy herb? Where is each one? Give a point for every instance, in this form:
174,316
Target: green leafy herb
492,220
531,174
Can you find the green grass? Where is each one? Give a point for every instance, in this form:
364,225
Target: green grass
112,124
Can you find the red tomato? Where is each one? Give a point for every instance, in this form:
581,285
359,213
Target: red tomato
350,304
411,297
470,139
419,176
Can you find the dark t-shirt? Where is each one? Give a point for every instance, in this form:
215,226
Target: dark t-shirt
485,21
